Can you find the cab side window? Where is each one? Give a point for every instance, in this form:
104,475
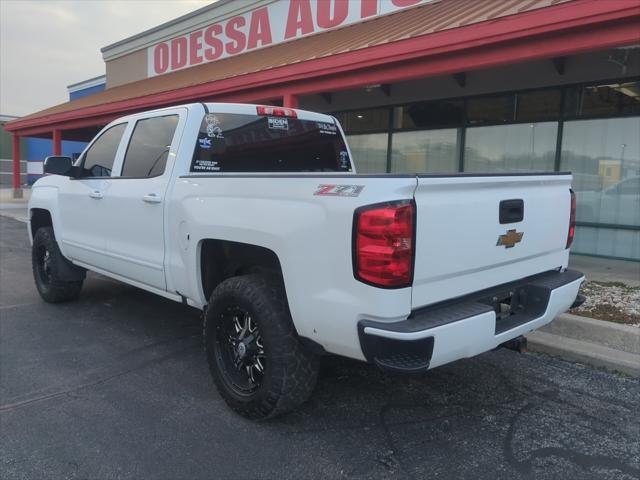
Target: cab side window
149,147
98,161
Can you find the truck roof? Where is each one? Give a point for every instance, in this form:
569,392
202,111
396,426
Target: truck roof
239,108
250,109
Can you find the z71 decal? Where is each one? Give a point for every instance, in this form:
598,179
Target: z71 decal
339,190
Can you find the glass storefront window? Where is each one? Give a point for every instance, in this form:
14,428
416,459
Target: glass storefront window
364,121
511,148
518,132
608,242
604,157
369,152
494,109
603,100
427,151
423,115
538,105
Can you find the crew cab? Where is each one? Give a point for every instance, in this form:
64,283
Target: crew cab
256,215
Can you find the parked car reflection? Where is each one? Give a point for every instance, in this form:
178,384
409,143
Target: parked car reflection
617,204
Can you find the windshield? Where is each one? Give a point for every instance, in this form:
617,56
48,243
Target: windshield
230,142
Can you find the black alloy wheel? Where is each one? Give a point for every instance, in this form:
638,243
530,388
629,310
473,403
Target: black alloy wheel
43,264
240,350
255,356
56,278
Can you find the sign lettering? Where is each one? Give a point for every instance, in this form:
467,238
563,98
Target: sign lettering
275,23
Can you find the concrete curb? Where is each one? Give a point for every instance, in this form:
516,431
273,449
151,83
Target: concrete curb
593,342
7,195
15,208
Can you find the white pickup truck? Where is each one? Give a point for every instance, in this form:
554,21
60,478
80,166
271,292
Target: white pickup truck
255,215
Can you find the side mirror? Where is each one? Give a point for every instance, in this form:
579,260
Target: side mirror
59,165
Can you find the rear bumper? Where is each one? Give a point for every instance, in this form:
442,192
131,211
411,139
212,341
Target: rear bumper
468,326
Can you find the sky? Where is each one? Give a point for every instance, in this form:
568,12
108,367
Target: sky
46,45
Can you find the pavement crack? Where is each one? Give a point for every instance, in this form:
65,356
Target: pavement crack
522,467
389,459
582,460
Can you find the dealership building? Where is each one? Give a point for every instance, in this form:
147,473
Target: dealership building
420,86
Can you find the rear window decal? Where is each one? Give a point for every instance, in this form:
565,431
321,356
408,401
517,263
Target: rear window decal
278,123
213,126
344,160
205,143
327,128
199,165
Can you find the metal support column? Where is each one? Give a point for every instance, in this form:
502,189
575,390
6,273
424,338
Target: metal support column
17,190
290,100
57,142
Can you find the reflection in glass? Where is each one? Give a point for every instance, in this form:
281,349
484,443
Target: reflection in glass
538,105
430,151
435,114
608,242
369,152
600,100
149,146
491,109
511,148
604,157
364,121
98,161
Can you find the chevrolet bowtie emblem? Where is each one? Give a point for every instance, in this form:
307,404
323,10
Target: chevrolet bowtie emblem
510,238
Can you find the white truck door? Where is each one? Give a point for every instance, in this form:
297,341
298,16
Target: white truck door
135,205
80,200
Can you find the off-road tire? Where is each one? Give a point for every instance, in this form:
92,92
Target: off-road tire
50,285
291,371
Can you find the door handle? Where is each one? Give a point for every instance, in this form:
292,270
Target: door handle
151,198
97,194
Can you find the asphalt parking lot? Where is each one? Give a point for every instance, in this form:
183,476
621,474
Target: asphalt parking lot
115,385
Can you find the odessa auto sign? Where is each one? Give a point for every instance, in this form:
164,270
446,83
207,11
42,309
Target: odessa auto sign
274,23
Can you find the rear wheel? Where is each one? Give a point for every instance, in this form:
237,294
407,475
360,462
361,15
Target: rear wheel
255,357
47,261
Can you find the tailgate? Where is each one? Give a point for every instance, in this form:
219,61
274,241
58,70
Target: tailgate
461,244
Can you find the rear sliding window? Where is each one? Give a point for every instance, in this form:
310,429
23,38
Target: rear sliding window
230,142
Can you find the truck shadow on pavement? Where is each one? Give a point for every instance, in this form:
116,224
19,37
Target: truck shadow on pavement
124,372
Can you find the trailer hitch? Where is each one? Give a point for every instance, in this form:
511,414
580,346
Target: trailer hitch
518,344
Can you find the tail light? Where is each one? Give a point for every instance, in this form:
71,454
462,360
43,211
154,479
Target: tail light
276,111
383,242
572,220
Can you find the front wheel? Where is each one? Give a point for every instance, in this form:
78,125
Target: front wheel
256,359
47,262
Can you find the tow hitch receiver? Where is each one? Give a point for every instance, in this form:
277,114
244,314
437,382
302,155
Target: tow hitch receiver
519,344
516,306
